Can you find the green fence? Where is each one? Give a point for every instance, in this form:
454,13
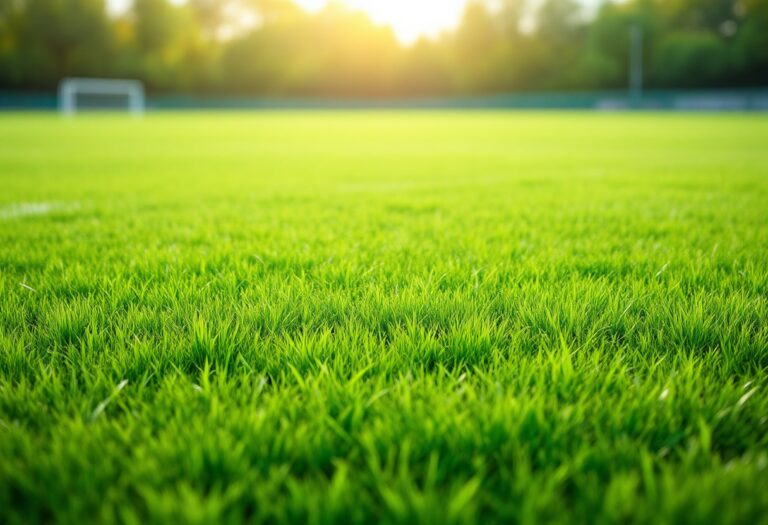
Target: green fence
733,100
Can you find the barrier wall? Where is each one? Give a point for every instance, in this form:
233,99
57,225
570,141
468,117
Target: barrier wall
735,100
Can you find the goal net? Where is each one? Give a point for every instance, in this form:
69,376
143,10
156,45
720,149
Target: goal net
76,94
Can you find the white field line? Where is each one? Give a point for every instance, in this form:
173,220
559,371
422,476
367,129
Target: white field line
27,209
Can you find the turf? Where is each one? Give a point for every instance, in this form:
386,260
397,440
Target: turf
384,317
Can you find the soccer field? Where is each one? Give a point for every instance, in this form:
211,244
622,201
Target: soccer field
395,317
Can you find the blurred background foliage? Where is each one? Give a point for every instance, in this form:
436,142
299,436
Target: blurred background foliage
272,47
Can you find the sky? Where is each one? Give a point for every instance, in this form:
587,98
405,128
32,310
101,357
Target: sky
410,19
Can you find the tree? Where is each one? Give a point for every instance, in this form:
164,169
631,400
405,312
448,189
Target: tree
476,48
690,59
58,38
273,47
558,45
750,55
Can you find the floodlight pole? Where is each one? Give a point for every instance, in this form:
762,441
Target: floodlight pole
636,65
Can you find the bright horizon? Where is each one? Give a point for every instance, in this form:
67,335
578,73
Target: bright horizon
410,19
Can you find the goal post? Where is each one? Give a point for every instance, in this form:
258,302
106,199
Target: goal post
129,91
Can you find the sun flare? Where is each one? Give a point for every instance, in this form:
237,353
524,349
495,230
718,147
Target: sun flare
408,18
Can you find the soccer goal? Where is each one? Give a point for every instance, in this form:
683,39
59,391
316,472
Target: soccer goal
77,94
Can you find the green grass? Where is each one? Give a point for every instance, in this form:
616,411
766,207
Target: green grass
384,317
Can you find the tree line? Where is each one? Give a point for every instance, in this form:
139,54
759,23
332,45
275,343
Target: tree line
272,47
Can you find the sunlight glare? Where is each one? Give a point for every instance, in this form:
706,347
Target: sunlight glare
410,19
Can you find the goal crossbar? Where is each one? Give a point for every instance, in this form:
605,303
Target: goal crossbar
70,88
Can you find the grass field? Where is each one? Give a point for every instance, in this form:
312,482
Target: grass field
384,317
